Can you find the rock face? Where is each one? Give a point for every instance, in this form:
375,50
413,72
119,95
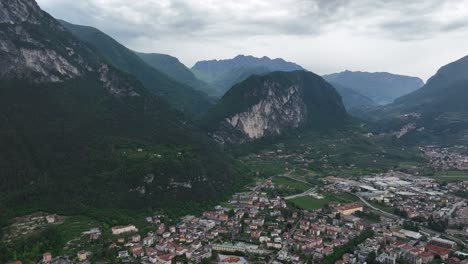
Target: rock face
14,12
35,47
381,87
270,105
223,74
280,109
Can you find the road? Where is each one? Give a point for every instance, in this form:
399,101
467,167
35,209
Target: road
389,215
286,175
309,191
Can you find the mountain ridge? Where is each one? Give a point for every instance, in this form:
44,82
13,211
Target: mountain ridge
175,69
181,96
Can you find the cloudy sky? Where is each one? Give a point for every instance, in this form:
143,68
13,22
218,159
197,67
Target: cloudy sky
412,37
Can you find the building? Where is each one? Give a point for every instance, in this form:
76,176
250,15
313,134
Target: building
116,230
442,252
409,234
51,219
123,254
164,259
228,248
46,257
136,238
148,241
200,255
82,255
226,259
442,242
349,209
426,257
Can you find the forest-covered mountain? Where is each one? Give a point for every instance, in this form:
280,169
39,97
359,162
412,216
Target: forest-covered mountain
273,104
353,101
175,69
380,87
223,74
181,96
438,111
75,129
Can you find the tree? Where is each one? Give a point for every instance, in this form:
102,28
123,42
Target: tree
370,259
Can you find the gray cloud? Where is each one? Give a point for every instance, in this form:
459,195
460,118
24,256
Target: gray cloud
397,19
183,26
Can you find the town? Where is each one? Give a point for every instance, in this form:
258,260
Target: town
382,218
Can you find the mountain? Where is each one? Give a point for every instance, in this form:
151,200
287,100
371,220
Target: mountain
380,87
352,100
181,96
438,110
223,74
78,133
273,104
172,67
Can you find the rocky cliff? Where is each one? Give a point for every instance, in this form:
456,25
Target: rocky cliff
270,105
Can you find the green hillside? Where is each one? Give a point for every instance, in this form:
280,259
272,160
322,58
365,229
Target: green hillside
173,68
181,96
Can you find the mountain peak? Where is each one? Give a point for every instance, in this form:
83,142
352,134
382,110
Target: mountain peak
223,74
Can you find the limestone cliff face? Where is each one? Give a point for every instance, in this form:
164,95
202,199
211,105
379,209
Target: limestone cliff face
35,47
268,106
279,110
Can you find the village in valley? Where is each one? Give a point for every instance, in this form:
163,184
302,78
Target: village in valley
385,218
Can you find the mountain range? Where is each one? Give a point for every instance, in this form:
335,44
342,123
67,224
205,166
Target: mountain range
381,87
223,74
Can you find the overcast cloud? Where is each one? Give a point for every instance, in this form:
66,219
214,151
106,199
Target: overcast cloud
413,37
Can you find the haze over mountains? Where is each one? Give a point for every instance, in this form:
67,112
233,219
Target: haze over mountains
381,87
223,74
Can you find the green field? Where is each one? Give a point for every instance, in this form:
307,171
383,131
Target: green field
451,176
309,202
342,197
290,183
